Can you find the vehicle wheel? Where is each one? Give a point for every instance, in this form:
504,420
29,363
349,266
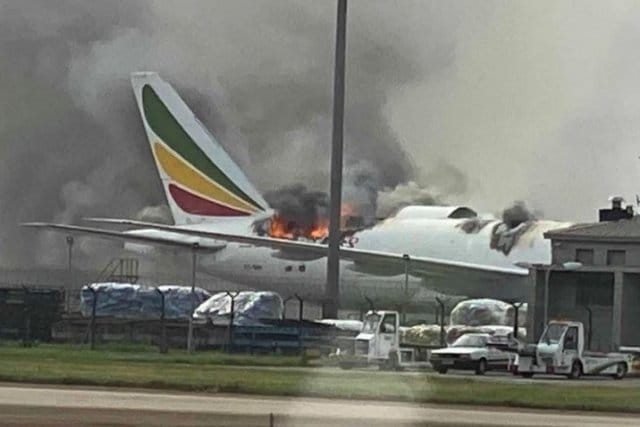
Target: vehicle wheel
441,370
481,367
526,374
576,370
621,371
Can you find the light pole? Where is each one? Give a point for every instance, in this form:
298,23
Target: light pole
332,290
194,260
548,268
407,260
70,272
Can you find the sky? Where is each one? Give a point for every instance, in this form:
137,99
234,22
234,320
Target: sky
477,103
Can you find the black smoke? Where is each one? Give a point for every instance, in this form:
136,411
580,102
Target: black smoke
258,75
300,208
517,214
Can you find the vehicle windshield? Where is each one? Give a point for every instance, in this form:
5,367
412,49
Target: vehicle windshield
370,323
470,341
553,333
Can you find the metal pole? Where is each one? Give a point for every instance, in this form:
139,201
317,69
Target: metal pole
233,296
194,260
516,306
26,313
284,303
407,260
332,290
163,331
547,275
70,272
590,325
441,304
300,320
92,332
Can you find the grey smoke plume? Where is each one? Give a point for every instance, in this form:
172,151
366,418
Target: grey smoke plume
258,75
500,90
392,199
516,214
361,183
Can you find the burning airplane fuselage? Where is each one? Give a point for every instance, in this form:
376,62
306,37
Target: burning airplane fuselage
315,229
450,233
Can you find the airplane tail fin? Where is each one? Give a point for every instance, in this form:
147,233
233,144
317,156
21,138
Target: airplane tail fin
201,182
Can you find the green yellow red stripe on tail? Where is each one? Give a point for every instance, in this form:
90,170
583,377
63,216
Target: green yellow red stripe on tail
199,178
190,178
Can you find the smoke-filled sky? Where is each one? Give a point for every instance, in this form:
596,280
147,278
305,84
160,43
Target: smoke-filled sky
479,102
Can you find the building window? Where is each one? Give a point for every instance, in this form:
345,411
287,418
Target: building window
616,257
584,256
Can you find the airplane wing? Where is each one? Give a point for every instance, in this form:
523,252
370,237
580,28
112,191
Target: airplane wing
172,240
363,259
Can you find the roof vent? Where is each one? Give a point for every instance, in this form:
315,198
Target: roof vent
616,212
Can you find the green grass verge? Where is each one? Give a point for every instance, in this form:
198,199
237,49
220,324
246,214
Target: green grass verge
133,353
203,372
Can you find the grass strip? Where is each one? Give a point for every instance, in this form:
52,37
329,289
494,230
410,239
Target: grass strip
203,373
139,354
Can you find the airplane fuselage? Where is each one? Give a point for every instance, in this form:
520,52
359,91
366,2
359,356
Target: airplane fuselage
470,240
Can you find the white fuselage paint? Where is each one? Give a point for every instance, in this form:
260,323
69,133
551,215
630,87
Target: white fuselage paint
486,244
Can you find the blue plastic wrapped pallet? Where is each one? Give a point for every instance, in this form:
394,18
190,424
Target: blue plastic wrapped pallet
130,301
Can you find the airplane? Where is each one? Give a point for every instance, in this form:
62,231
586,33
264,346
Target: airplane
217,212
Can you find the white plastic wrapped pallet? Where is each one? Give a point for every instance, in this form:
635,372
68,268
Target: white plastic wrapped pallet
249,308
479,312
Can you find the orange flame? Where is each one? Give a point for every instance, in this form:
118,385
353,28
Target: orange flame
320,230
279,228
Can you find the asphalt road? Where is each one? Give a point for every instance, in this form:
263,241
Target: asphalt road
76,406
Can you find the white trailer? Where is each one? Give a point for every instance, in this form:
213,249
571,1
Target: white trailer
561,351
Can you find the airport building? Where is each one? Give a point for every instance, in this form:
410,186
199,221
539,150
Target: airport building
594,277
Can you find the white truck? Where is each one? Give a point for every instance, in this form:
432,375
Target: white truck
380,343
561,351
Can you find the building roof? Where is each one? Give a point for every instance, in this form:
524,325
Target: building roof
627,230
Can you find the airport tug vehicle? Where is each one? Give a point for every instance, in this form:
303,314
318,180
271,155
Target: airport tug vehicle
381,343
561,351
